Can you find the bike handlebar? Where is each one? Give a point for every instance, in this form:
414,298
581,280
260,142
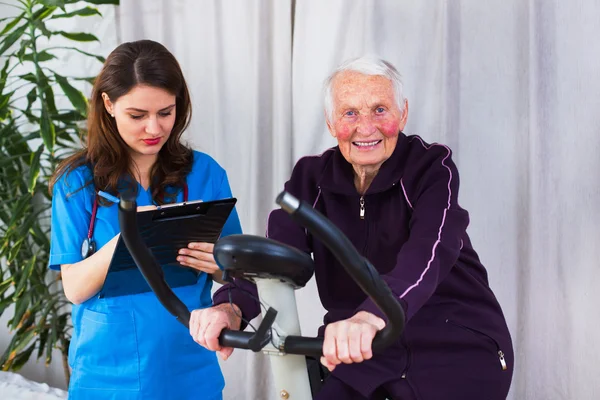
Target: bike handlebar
356,265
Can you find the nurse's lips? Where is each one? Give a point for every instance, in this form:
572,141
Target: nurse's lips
152,142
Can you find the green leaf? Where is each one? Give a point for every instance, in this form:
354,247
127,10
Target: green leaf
31,97
41,25
47,129
22,358
34,168
50,307
97,57
5,303
78,36
75,96
67,117
12,24
4,105
41,56
24,278
48,92
21,305
14,250
23,340
82,12
42,340
5,355
5,285
9,40
18,211
89,79
27,321
53,337
114,2
4,75
29,77
43,13
53,3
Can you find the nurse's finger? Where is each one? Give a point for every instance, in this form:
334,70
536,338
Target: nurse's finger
202,246
204,266
146,208
197,254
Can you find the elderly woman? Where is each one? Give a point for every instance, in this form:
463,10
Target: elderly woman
396,198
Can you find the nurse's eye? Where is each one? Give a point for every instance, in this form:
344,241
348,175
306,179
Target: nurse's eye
136,116
165,114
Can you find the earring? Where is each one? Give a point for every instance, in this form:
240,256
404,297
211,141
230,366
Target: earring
112,115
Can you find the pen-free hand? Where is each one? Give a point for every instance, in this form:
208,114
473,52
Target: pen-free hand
199,256
146,208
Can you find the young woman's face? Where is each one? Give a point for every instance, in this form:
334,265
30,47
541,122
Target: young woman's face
145,117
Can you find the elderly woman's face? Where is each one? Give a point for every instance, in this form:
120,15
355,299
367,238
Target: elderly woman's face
366,119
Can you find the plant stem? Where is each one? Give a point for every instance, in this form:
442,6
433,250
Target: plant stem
65,359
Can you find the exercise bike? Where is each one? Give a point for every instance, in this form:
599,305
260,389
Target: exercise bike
278,270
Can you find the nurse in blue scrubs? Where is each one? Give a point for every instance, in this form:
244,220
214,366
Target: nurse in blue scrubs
128,346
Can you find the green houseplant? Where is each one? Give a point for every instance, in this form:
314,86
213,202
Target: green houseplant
35,134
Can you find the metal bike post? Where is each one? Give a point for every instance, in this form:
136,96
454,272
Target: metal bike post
289,371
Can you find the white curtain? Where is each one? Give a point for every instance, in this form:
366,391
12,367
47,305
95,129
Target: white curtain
511,85
235,56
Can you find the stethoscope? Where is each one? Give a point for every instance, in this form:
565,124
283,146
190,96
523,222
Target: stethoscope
88,247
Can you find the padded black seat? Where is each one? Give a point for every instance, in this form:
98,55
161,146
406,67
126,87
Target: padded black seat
249,257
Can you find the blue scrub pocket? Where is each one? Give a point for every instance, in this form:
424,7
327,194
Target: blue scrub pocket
107,353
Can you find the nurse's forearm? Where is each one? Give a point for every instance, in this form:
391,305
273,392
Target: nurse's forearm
84,279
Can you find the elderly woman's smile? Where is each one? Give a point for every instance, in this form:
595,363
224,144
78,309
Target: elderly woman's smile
367,146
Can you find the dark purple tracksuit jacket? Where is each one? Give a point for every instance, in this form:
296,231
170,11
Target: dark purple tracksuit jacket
456,344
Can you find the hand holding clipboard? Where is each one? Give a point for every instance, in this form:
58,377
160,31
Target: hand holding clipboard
166,230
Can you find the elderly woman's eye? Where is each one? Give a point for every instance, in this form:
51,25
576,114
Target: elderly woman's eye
380,110
350,113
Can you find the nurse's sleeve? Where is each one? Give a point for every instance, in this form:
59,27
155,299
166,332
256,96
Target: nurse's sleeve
69,220
437,226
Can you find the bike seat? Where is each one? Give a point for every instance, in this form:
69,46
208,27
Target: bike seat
251,257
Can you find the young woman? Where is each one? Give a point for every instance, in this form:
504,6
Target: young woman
129,346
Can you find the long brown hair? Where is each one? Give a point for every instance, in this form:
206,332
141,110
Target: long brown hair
107,155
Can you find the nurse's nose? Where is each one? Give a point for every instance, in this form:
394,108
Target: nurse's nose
152,126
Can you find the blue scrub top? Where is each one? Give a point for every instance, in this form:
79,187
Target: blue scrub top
130,347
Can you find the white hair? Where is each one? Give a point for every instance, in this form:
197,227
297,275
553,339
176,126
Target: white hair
366,65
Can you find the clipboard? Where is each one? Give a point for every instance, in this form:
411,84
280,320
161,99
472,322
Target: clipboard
165,231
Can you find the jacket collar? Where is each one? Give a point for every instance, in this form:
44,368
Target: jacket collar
338,175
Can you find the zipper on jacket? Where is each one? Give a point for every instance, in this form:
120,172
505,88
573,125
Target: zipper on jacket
362,207
408,356
476,332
